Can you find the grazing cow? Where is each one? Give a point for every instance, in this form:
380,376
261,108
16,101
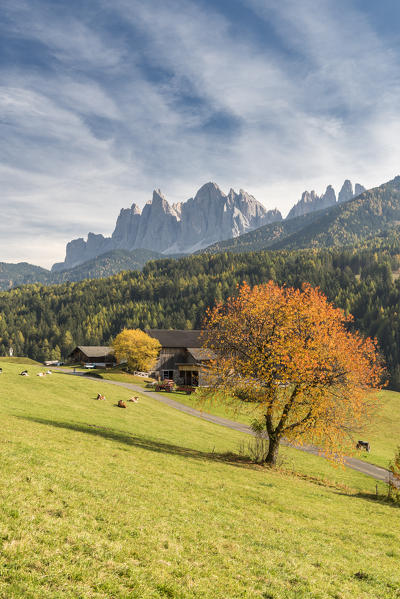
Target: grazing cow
24,373
100,396
134,399
121,404
363,445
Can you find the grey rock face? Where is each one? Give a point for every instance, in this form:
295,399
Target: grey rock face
346,193
79,250
358,189
311,202
209,217
329,197
126,228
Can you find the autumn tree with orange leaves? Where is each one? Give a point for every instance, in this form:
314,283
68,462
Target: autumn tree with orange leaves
291,352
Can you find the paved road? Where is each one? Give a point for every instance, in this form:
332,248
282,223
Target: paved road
369,469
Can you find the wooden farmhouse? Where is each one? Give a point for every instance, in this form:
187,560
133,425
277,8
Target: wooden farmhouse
182,357
100,355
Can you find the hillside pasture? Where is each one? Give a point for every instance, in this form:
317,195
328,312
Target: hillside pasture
19,360
149,503
383,432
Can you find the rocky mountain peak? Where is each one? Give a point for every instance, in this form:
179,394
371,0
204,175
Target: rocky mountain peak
159,205
209,191
346,193
358,189
134,209
330,194
311,202
179,228
208,217
158,196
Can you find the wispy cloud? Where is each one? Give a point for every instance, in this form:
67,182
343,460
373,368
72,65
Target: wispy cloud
102,102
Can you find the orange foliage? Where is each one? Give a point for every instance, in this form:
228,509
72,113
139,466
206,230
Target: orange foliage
291,351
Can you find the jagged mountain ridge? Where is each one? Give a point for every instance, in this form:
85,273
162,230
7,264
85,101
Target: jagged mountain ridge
311,202
373,212
174,229
187,227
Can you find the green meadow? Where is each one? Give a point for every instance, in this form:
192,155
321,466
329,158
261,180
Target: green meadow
148,502
383,432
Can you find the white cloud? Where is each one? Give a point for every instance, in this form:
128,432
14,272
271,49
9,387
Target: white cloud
67,37
96,132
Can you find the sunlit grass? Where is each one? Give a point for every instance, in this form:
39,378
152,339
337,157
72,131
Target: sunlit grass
150,503
19,360
383,432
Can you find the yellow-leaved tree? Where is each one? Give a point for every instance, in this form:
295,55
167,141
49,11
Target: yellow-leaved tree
291,352
137,348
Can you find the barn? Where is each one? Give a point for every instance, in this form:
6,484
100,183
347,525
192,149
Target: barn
100,355
182,357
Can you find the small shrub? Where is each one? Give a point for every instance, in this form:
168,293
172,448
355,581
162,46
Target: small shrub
257,447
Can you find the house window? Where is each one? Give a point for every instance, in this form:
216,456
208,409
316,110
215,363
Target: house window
168,374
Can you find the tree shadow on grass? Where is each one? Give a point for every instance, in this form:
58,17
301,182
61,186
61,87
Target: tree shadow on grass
145,443
373,497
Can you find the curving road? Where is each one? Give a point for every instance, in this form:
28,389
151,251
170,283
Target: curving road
375,472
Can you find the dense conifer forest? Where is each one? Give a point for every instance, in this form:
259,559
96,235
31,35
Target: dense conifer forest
46,322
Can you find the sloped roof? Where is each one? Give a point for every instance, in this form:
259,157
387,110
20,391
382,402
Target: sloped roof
200,354
176,338
95,351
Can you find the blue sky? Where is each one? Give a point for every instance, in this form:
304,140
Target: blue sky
100,102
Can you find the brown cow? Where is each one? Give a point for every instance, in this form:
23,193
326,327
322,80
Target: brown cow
121,404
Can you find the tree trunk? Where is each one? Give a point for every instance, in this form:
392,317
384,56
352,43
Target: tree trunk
273,451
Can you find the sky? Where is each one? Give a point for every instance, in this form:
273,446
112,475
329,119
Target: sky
101,102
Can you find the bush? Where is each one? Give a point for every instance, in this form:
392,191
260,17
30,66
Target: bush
257,447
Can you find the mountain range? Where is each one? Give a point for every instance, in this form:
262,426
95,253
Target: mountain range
186,227
311,202
233,219
373,212
182,228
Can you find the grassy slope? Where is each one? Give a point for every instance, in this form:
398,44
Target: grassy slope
383,434
142,503
19,360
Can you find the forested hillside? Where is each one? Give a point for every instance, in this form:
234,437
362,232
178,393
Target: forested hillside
46,322
110,263
264,237
106,265
349,223
22,273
